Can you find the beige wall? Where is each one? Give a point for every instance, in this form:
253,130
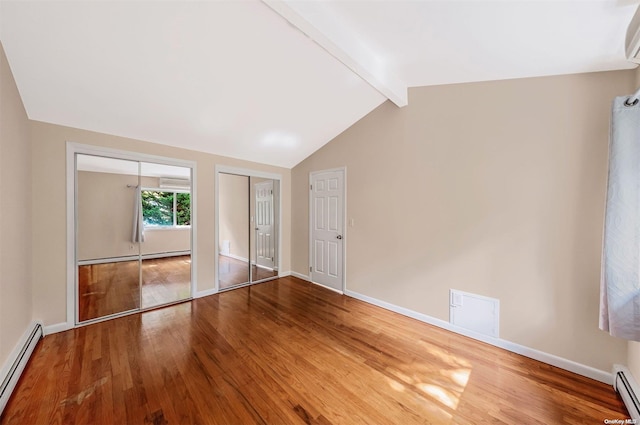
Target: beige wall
105,219
234,214
494,188
158,241
15,215
49,206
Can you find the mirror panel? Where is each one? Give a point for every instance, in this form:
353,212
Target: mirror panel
165,206
107,258
233,230
264,231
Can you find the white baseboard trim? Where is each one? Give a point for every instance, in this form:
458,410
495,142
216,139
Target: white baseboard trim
308,279
17,360
300,276
235,257
205,293
165,255
133,258
58,327
562,363
327,287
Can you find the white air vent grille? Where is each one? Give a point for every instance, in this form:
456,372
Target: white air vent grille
474,312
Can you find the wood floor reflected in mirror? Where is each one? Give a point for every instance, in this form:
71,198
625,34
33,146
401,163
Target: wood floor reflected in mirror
234,272
165,280
111,288
108,288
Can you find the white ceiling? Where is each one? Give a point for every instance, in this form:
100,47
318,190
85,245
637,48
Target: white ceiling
235,78
442,42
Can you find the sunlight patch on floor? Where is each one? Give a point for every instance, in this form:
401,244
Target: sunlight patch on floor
446,357
396,385
459,376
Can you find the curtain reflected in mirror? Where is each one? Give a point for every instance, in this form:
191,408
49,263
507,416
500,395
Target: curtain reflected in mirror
248,211
133,236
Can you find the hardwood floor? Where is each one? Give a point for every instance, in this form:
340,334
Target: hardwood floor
289,352
232,272
110,288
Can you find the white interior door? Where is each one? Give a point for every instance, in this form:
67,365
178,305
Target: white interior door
327,221
265,238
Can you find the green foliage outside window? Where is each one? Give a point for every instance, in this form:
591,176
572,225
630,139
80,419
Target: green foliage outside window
158,208
183,209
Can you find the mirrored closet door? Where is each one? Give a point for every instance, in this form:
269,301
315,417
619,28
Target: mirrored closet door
165,246
133,235
248,211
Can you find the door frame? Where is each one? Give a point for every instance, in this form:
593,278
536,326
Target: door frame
344,228
71,196
225,169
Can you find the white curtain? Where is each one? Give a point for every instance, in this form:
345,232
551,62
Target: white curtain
138,228
620,285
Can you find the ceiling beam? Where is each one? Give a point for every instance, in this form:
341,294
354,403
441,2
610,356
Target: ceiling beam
314,20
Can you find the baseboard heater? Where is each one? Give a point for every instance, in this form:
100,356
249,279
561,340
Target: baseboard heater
20,358
626,386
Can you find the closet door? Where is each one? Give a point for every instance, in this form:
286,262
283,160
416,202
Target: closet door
107,254
233,223
166,233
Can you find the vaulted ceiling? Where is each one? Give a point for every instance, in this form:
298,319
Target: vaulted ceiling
272,81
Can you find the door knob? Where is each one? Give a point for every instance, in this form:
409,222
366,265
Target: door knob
339,236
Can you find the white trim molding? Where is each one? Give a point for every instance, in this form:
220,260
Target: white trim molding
300,276
562,363
327,287
235,257
205,293
55,328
